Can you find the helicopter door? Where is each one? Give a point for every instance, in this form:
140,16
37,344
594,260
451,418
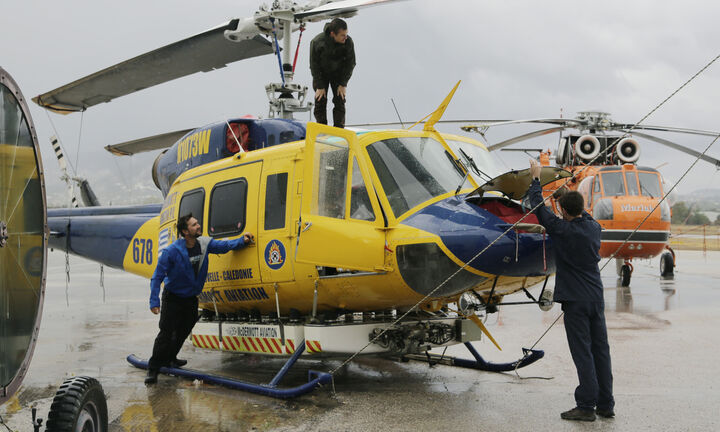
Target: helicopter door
341,224
276,232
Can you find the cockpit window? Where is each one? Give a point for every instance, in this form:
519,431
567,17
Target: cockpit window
613,183
413,170
330,176
360,207
650,184
632,185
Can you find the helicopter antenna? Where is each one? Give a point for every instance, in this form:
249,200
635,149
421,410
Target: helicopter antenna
398,114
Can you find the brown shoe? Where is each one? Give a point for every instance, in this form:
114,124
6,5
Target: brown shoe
579,414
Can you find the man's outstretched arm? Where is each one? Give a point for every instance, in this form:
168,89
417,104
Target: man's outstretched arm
225,246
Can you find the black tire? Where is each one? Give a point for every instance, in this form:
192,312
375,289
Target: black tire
79,405
625,276
667,266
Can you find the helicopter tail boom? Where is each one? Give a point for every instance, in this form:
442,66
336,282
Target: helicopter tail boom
84,232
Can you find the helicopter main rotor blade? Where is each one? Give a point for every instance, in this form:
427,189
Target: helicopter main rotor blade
156,142
632,128
343,8
489,123
493,123
203,52
525,137
679,147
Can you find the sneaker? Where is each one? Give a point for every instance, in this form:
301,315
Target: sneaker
579,414
178,363
607,413
151,377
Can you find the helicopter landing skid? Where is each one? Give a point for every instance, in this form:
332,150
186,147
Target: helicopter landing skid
530,356
315,378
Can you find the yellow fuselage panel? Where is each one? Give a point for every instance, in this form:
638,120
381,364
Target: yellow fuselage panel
250,278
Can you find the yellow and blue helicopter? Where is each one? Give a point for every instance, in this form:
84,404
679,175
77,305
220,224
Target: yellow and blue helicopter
361,235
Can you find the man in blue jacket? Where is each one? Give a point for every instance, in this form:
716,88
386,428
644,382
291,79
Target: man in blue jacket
183,266
579,289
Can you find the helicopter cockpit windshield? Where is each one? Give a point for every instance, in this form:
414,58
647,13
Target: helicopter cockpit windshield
650,184
480,161
646,183
413,170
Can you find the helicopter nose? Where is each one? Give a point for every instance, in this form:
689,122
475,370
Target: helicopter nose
473,235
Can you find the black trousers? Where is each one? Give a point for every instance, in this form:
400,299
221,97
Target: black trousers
178,316
587,338
338,107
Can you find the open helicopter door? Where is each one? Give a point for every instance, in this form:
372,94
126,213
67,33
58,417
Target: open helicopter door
341,221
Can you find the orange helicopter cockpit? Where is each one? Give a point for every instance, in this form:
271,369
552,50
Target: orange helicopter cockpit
619,197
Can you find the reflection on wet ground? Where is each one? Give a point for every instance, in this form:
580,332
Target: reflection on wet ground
692,286
92,337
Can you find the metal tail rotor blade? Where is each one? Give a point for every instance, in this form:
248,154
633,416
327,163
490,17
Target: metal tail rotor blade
200,53
679,147
524,137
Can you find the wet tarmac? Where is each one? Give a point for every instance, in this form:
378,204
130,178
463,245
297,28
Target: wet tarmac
663,333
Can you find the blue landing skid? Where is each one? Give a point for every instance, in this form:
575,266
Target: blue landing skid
315,379
529,357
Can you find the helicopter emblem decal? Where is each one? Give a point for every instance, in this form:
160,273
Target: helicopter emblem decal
275,254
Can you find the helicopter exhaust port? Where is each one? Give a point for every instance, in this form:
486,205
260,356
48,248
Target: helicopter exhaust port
628,150
587,147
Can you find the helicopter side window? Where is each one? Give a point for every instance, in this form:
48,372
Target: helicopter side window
632,184
360,207
613,184
331,176
227,208
275,201
585,190
596,189
650,184
193,202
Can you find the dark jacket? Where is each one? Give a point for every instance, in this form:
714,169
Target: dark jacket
576,244
175,270
331,61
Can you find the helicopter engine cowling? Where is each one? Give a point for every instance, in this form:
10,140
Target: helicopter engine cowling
587,147
628,150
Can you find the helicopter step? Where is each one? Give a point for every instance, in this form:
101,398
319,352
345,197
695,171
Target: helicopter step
315,378
335,338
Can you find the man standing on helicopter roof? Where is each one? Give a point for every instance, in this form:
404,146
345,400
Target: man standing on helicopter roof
183,266
579,289
332,60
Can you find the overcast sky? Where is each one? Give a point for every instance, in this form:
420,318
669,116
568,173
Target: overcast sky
517,59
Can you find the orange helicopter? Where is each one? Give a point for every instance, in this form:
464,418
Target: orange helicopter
626,199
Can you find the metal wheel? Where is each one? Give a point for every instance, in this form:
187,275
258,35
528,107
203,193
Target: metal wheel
23,240
625,276
79,406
